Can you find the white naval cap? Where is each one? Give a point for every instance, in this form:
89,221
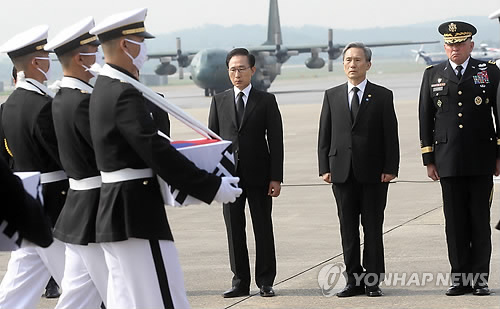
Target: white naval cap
27,42
73,37
121,24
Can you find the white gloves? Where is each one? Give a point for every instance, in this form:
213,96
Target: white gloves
228,191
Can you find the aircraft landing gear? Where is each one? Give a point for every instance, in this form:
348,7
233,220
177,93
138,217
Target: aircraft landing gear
206,92
210,92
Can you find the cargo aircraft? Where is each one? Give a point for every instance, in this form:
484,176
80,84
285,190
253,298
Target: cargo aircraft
208,66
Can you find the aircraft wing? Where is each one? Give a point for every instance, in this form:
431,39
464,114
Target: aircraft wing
307,48
171,54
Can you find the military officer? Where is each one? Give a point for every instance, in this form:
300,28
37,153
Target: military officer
132,225
460,147
85,275
30,139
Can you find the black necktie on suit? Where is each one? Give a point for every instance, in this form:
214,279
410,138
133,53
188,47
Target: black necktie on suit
240,107
354,104
459,73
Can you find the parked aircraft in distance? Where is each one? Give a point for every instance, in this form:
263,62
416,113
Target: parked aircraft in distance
483,52
208,66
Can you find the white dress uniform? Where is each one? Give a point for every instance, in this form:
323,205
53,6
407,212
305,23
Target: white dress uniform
29,135
132,225
85,278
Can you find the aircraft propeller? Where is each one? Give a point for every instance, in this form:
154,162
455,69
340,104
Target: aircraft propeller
333,51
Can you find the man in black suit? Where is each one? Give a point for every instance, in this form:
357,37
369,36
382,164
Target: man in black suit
252,121
132,225
358,151
460,139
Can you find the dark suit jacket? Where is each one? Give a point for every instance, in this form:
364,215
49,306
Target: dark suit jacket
370,145
258,143
125,136
457,130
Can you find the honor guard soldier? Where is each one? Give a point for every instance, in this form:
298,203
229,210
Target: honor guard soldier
132,225
85,276
30,139
460,147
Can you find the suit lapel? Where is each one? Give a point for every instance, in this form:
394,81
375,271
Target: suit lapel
230,106
253,98
469,71
449,73
344,102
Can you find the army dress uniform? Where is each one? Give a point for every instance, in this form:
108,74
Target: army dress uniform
457,131
30,138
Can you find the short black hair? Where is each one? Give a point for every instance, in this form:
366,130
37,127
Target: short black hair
14,74
241,52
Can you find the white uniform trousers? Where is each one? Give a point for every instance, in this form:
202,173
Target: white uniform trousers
28,272
85,278
144,274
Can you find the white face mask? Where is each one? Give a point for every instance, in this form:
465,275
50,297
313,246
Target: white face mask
141,57
47,74
96,67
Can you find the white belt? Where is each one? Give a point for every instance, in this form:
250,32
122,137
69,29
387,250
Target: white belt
52,177
85,183
126,174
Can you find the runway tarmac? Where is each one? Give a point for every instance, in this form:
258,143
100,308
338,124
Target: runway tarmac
305,220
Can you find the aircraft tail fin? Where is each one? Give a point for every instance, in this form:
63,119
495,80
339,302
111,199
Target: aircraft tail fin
273,25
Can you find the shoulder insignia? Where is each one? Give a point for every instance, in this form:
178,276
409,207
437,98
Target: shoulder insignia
83,91
428,67
122,81
491,62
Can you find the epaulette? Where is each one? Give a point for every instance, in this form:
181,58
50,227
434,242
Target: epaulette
492,62
428,67
84,92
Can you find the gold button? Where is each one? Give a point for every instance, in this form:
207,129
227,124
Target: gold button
460,92
145,182
460,104
63,192
459,114
436,142
460,126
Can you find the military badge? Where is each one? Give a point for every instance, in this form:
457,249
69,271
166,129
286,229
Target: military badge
478,100
481,78
452,27
439,103
439,80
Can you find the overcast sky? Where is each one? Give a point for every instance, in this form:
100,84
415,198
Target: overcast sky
168,15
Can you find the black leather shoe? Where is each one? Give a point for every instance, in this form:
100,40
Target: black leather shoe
266,291
458,289
481,290
52,289
236,291
351,290
373,291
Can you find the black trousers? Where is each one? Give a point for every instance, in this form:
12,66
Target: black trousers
466,208
260,205
367,202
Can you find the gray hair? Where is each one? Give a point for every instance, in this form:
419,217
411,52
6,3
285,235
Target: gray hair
368,52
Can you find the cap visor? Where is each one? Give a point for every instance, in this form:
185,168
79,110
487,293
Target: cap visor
145,35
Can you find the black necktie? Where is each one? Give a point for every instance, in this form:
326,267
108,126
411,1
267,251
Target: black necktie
354,104
459,73
240,107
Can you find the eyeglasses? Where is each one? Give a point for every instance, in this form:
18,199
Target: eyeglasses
239,70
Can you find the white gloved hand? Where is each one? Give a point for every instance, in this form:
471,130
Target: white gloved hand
228,191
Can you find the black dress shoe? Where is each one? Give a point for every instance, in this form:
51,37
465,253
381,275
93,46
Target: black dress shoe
266,291
458,289
373,291
351,290
52,289
236,291
481,290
